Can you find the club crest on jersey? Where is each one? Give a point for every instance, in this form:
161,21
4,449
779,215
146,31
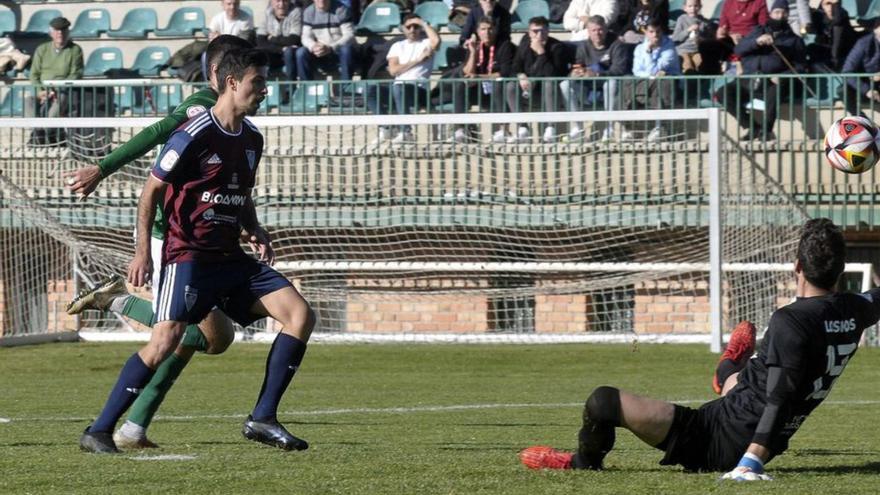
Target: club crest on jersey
251,158
169,160
194,110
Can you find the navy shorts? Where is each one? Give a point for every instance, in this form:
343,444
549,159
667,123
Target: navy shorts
191,289
703,440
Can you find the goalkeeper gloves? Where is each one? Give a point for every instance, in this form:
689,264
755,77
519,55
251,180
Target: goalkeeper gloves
750,468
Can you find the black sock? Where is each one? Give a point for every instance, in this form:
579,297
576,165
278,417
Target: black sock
596,437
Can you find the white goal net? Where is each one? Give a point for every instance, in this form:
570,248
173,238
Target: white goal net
438,234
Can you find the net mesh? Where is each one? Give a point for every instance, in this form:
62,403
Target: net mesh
414,230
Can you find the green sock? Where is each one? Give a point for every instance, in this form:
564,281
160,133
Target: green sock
153,394
139,310
193,337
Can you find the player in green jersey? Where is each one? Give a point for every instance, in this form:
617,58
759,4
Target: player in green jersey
213,334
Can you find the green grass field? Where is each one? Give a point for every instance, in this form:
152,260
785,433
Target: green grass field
400,419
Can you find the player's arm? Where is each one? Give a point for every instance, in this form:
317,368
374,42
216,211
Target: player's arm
83,181
254,234
141,265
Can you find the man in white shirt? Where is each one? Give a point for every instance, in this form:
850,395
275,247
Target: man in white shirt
232,21
579,12
410,62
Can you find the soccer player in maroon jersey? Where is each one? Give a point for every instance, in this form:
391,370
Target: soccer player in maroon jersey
766,399
205,175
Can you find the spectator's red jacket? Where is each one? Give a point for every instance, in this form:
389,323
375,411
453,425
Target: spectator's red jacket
741,17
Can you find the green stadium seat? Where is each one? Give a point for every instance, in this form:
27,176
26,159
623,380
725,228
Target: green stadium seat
103,59
7,22
378,18
38,23
527,9
136,24
273,96
150,60
716,14
309,97
434,13
90,23
184,22
449,54
12,104
870,12
676,9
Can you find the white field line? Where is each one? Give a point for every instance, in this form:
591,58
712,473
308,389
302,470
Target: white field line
164,457
383,410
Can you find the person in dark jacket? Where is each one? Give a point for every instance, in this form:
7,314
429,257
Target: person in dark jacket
488,58
762,52
835,37
491,9
635,15
600,55
864,57
538,55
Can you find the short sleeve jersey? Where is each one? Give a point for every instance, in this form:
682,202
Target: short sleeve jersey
209,173
814,338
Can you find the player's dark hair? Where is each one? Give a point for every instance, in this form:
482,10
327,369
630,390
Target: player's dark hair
237,62
222,44
821,252
409,17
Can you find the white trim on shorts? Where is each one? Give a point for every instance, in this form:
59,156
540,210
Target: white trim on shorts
156,246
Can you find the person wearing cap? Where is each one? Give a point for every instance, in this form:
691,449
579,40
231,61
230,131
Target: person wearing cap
59,58
771,48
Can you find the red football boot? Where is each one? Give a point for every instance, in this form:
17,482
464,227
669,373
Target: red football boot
542,457
740,348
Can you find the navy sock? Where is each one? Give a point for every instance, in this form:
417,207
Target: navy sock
284,358
134,376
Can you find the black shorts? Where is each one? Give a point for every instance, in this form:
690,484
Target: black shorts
701,440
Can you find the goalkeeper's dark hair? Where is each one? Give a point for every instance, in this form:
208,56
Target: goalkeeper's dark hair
222,44
821,252
236,62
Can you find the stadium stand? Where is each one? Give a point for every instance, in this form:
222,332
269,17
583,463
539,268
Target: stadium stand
38,23
90,23
525,10
379,18
136,24
102,60
150,60
434,13
7,22
185,21
12,104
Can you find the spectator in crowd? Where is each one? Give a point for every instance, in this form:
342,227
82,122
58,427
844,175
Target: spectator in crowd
499,14
538,55
280,35
691,28
635,15
328,40
232,21
760,54
798,15
653,59
602,54
577,16
410,62
488,58
59,58
835,37
864,58
10,54
738,19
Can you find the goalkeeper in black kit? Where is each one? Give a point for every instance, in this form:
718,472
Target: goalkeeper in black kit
765,399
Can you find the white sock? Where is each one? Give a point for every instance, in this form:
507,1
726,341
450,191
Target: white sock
118,303
132,430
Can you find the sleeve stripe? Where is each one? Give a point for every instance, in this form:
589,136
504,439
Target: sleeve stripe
198,124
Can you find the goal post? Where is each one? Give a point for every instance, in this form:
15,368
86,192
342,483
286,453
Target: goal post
462,234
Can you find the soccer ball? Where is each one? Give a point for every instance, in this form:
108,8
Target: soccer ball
852,145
